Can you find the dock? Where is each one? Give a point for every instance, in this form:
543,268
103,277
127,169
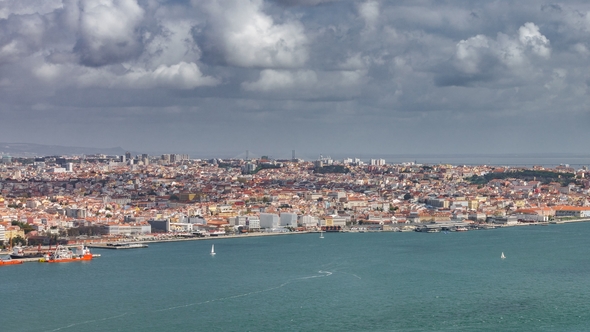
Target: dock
118,246
27,260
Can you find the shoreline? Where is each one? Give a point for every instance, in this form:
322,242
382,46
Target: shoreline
103,245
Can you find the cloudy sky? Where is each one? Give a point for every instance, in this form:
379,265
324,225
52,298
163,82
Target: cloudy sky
317,76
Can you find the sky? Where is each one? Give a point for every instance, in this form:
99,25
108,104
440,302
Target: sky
315,76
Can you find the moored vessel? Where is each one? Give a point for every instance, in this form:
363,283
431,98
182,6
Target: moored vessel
18,252
10,262
64,254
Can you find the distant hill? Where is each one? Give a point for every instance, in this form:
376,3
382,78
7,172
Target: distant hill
32,150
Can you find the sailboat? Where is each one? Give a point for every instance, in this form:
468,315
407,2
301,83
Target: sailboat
212,250
502,256
321,235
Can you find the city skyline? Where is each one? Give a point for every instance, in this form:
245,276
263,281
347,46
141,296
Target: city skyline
317,76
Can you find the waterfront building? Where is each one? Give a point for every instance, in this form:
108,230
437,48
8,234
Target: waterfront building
288,219
269,220
162,225
128,229
11,232
308,221
506,220
572,211
253,223
238,221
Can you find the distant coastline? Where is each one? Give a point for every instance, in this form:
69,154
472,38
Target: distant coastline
576,160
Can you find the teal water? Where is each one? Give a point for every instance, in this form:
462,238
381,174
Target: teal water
344,282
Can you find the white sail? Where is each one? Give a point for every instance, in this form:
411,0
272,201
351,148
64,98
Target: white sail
321,235
212,249
502,256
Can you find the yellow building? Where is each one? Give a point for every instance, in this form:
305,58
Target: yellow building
186,196
13,231
520,203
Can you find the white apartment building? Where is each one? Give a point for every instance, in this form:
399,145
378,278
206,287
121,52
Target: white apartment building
308,221
289,219
269,220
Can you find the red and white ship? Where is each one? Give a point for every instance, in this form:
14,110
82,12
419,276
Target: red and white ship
63,254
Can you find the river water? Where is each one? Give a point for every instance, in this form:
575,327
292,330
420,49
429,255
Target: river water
344,282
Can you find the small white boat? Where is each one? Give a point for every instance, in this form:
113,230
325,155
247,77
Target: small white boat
502,256
212,250
321,235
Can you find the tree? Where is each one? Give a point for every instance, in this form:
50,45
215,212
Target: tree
24,226
18,240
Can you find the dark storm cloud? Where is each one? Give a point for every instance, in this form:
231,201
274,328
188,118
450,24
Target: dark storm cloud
109,34
342,74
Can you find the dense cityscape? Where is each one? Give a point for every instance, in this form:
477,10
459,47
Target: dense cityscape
101,198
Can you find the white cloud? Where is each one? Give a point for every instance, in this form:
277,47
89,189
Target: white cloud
369,11
530,36
308,84
179,76
469,53
271,79
48,72
28,7
247,37
479,53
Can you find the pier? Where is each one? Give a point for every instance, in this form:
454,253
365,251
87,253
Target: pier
118,246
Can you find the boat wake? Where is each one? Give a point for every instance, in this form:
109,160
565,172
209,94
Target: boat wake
322,274
352,274
88,322
336,266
